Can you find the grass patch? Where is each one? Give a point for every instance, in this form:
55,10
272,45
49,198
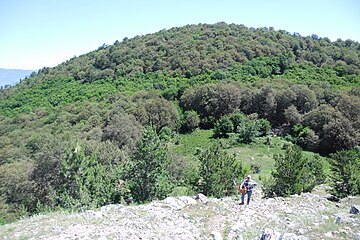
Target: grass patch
260,152
190,143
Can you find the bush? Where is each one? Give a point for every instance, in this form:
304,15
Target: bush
263,126
345,168
218,169
123,130
305,137
238,119
165,133
248,132
147,173
293,174
267,187
223,127
85,182
15,185
191,121
182,191
313,173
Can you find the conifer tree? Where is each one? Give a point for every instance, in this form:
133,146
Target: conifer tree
345,167
147,173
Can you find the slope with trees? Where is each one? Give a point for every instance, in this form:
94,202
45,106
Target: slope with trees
102,128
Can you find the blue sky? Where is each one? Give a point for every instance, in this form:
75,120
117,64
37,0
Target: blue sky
39,33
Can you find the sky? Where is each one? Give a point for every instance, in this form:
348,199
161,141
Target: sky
44,33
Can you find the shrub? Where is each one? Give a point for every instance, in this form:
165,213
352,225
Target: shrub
313,173
238,119
191,121
345,168
123,130
147,172
293,174
263,126
85,182
218,169
248,132
165,133
182,191
223,127
305,137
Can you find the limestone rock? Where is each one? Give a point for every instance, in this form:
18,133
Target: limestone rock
305,217
354,209
289,236
216,235
357,236
202,198
174,203
188,200
235,232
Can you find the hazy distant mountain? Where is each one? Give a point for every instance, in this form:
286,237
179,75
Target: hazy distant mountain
12,76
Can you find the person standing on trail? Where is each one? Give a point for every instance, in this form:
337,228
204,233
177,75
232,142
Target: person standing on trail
246,189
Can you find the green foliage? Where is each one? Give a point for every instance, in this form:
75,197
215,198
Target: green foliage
190,50
223,127
218,169
248,132
292,115
85,182
287,172
263,126
165,133
47,152
157,112
147,173
15,184
211,100
255,167
305,137
182,191
345,168
293,174
123,130
313,173
335,131
238,120
191,121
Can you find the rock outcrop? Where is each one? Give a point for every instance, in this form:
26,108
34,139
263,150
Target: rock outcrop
305,216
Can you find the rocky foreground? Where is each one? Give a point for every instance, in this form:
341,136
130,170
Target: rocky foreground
305,216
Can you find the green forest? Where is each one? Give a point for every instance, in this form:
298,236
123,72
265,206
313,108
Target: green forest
182,111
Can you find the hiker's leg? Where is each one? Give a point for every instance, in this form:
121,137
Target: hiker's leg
243,198
249,196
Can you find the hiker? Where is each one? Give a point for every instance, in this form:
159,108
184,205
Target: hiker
248,185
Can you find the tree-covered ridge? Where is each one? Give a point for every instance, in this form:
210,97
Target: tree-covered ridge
64,90
193,49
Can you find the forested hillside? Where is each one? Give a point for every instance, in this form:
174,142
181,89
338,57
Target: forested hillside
113,124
